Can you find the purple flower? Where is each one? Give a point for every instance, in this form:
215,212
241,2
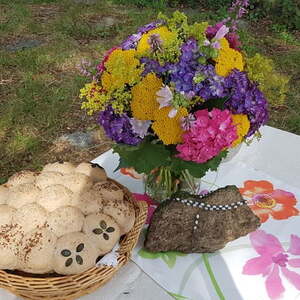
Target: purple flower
212,30
151,65
84,68
231,37
183,72
191,77
246,98
223,30
140,127
118,127
213,85
233,40
155,42
239,3
132,40
150,26
241,12
188,122
238,7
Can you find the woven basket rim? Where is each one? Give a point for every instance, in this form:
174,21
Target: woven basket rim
20,285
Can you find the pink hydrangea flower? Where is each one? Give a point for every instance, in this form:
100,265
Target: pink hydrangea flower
210,133
272,260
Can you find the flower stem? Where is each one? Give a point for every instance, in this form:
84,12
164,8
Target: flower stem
212,276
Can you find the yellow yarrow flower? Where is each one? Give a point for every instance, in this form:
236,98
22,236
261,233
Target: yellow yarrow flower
167,37
228,59
95,97
274,85
121,68
242,125
169,129
144,97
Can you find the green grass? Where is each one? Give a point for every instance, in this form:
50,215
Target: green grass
39,86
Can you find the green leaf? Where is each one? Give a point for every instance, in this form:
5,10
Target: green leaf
177,296
196,170
170,257
2,180
143,158
214,103
148,255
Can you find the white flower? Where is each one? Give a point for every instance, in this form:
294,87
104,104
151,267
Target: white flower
140,127
164,99
172,113
221,32
215,43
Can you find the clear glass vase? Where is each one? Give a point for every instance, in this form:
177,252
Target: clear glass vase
161,184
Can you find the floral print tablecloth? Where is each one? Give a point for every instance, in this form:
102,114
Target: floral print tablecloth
263,265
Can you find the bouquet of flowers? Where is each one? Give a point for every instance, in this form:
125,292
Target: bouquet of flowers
175,97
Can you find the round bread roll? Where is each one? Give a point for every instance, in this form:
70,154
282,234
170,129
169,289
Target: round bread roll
65,220
109,190
21,178
30,216
6,215
55,196
123,212
77,182
74,253
10,237
103,231
46,179
60,166
3,193
22,194
89,202
94,171
36,251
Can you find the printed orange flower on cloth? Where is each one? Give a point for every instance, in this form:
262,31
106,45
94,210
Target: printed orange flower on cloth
265,201
131,172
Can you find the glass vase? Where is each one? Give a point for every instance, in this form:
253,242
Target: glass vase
160,184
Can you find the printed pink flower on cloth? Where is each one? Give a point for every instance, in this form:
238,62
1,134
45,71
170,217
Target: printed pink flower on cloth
265,201
273,261
151,205
210,133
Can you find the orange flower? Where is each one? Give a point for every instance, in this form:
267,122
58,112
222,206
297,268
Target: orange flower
265,201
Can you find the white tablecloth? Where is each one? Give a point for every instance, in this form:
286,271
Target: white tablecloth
277,154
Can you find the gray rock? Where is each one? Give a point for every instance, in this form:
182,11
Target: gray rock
105,22
243,24
79,139
87,2
108,21
24,44
177,226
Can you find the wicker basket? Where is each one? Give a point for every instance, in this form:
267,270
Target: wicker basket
75,286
